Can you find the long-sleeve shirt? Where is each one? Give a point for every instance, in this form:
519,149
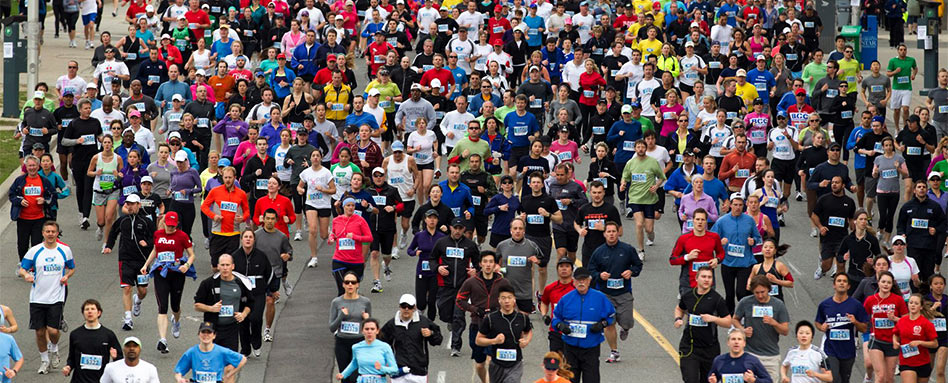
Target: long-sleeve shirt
189,181
364,356
745,163
737,230
724,366
233,131
349,250
425,241
227,204
915,218
615,260
709,245
347,326
502,218
688,205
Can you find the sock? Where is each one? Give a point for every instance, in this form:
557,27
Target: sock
44,356
54,347
128,316
615,351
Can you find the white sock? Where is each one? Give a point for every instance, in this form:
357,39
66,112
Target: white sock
135,299
128,316
44,356
54,347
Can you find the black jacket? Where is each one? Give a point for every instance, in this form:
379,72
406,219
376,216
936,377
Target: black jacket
248,181
256,266
209,293
910,225
410,347
444,217
457,267
383,221
133,228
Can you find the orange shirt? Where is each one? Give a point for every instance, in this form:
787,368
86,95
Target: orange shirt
559,379
32,190
221,86
227,204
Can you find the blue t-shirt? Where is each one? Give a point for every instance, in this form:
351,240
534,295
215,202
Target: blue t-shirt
763,80
9,354
534,37
840,340
460,78
207,366
519,129
731,11
222,49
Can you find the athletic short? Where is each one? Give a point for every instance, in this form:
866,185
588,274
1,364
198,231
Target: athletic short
690,89
861,176
101,198
497,238
129,272
660,205
647,209
624,309
308,78
222,244
428,166
566,239
917,174
387,135
90,18
324,212
828,250
900,98
382,242
411,378
297,203
43,315
546,246
885,347
409,208
71,19
274,285
478,353
923,371
525,305
784,170
478,223
871,184
515,154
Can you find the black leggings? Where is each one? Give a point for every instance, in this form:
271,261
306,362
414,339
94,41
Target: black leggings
29,233
186,213
735,284
841,134
251,329
83,187
343,350
426,290
339,270
888,204
842,368
173,286
587,112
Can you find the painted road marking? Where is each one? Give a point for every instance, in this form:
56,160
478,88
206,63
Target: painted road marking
656,335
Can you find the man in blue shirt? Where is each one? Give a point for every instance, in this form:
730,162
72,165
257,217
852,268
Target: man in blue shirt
207,361
840,316
581,316
763,80
729,10
614,264
303,60
522,129
169,88
739,234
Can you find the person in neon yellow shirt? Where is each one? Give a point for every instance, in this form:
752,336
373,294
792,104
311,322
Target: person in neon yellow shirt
849,69
744,89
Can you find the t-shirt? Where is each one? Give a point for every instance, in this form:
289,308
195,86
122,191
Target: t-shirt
839,340
513,326
514,258
751,313
909,330
877,87
207,366
699,334
230,301
89,353
801,360
168,245
833,212
889,173
119,372
903,272
538,225
878,308
589,216
903,79
939,97
48,267
32,191
640,174
9,354
314,178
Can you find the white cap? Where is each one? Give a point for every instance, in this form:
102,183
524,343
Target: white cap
374,92
339,17
417,86
435,83
133,340
200,72
899,237
690,44
174,135
166,37
694,24
181,156
147,179
407,298
378,170
741,73
91,86
786,30
149,8
39,94
177,97
133,198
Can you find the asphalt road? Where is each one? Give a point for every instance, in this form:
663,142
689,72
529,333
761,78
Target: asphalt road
648,354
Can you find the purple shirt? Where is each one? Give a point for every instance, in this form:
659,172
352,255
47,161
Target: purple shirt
689,205
233,132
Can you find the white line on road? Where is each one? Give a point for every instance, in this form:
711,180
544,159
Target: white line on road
442,376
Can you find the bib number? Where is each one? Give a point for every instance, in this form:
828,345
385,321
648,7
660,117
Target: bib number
535,219
913,150
233,141
262,184
735,250
696,321
577,330
615,283
454,252
909,351
346,244
227,311
836,222
90,362
166,257
762,311
349,327
882,323
918,223
839,334
229,207
507,355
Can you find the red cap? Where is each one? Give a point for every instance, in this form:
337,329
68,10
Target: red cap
331,58
800,91
281,56
498,8
497,42
171,219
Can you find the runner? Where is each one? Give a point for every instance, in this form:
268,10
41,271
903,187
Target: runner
349,233
405,175
319,186
915,335
765,319
383,224
483,189
539,210
699,344
346,313
615,263
840,316
131,366
137,233
225,205
206,361
884,308
506,342
582,334
806,358
478,294
226,299
694,250
831,216
552,294
185,184
371,358
736,364
739,235
410,335
168,266
252,262
643,177
91,346
517,257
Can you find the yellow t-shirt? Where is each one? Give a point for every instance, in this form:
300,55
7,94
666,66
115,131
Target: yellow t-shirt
642,6
748,92
650,47
848,70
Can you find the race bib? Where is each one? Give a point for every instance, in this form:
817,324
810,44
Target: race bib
442,27
516,261
565,156
762,311
639,177
179,196
106,178
128,190
262,184
808,24
561,205
203,122
142,279
876,88
761,86
396,180
589,93
577,330
757,134
592,223
425,266
696,321
628,146
36,132
347,327
774,290
604,180
66,122
714,64
902,80
205,377
174,117
792,57
695,266
385,104
454,252
498,29
743,173
943,109
846,114
913,150
732,378
839,334
520,130
731,115
227,311
939,324
229,206
233,141
882,323
836,221
615,283
32,191
379,59
799,371
88,139
314,196
599,130
735,250
535,219
456,211
507,354
536,103
889,173
90,362
132,55
347,244
379,200
909,351
476,200
918,223
336,107
166,257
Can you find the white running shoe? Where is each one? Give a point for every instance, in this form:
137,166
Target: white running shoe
256,352
298,236
136,305
818,273
44,368
267,335
287,288
88,45
54,359
814,233
388,273
649,242
207,243
98,233
403,241
176,328
312,263
73,44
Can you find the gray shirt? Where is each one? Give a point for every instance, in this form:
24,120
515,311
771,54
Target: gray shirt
751,312
572,108
411,110
889,173
872,86
514,256
939,98
273,244
575,193
348,326
230,301
161,177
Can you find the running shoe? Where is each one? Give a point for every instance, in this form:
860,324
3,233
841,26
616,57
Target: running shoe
455,353
800,197
403,241
312,263
73,44
377,286
114,13
298,236
98,233
388,274
613,357
624,334
814,233
395,254
63,326
54,359
128,325
256,352
267,335
781,221
628,213
162,346
84,223
44,368
207,243
818,273
176,328
88,45
136,305
642,254
287,288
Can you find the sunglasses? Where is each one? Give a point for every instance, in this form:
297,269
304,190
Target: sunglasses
834,150
73,67
406,306
899,244
350,282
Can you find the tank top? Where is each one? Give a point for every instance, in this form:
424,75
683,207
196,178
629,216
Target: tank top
297,113
106,181
131,47
201,60
757,248
756,47
775,289
400,177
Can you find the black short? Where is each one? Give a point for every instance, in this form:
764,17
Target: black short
478,353
43,315
516,153
308,78
916,173
382,242
478,223
686,88
298,203
885,347
428,166
660,205
545,244
566,239
409,208
923,371
274,285
525,305
647,209
784,170
222,244
129,272
828,250
324,212
388,136
496,239
71,19
861,176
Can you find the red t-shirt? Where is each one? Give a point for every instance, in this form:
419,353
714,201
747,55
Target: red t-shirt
283,207
443,75
552,294
878,308
710,246
32,191
195,19
376,53
497,28
135,10
909,330
174,243
589,88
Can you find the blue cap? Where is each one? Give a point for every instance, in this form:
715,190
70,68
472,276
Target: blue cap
223,162
635,104
348,201
398,146
879,119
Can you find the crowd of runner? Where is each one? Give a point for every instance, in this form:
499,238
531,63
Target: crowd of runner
461,154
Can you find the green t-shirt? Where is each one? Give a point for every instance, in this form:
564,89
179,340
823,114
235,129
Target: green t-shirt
646,124
903,79
181,38
941,167
639,175
812,73
848,71
480,147
267,66
387,90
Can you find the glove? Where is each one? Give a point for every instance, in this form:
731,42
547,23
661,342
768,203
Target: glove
598,326
547,320
564,328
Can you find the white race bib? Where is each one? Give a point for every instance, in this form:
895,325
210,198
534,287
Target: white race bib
762,311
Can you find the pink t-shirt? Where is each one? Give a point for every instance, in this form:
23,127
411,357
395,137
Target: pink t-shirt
566,152
669,118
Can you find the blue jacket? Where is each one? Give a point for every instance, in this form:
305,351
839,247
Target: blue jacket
677,182
122,151
57,181
424,241
170,88
584,310
860,159
499,144
307,59
737,230
458,199
614,260
475,102
502,218
280,91
272,134
16,196
633,132
365,118
555,61
725,364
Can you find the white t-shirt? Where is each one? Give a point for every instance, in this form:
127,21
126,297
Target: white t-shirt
634,72
643,93
76,85
425,17
119,372
87,7
689,74
106,118
464,50
379,114
544,10
800,361
475,20
481,51
456,123
283,172
314,178
49,266
174,11
583,25
722,34
783,149
903,272
719,133
571,73
426,142
117,67
660,154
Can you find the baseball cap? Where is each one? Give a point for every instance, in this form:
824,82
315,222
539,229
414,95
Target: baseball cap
339,17
407,299
534,68
457,221
398,146
635,105
800,91
331,58
899,237
149,8
741,73
91,86
581,273
200,72
565,260
283,56
223,162
133,198
435,83
168,37
758,101
206,326
177,97
564,128
134,113
626,109
39,94
68,93
551,364
374,92
383,72
786,30
690,44
378,169
497,41
171,219
416,86
174,135
761,58
132,339
147,179
181,156
431,212
498,8
694,24
735,196
933,175
835,145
